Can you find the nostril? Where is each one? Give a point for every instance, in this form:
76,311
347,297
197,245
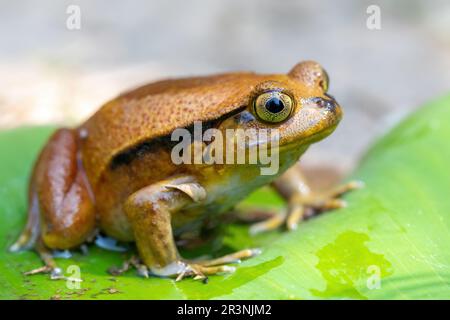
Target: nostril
329,104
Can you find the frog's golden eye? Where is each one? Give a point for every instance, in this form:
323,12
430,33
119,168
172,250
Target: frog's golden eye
273,106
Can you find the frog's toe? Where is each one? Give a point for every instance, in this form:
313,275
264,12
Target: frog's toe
201,272
294,216
235,257
200,269
40,270
330,200
55,272
133,262
346,187
337,192
301,207
272,223
304,207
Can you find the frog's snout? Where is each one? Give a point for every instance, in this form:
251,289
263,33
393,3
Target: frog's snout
329,104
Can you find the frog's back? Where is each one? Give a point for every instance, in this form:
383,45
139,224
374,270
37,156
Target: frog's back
157,109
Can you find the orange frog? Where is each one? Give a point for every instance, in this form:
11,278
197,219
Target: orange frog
115,174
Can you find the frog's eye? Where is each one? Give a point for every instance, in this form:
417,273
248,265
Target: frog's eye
273,106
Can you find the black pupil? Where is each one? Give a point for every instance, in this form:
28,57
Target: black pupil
274,105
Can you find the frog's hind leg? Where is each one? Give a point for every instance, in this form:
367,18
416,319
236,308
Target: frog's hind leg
302,201
61,209
30,233
30,238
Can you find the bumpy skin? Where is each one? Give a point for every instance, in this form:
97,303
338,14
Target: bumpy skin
115,173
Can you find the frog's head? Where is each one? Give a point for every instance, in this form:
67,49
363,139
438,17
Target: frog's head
295,104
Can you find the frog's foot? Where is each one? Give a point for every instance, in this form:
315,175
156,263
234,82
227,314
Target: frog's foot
201,272
133,262
201,269
55,272
49,266
301,207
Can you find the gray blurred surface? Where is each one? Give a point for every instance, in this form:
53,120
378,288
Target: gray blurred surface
52,74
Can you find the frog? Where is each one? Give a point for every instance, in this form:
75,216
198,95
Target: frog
114,173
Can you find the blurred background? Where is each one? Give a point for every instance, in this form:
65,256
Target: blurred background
54,74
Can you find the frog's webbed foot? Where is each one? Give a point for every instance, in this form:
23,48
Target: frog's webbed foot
301,206
201,269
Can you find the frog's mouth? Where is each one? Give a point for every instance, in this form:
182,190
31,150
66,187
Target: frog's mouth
307,141
320,135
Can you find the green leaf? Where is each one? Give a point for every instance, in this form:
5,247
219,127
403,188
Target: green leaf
395,230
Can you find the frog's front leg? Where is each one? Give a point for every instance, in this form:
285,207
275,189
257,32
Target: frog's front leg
149,211
301,200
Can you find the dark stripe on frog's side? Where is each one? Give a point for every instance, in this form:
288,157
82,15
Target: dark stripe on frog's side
127,156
